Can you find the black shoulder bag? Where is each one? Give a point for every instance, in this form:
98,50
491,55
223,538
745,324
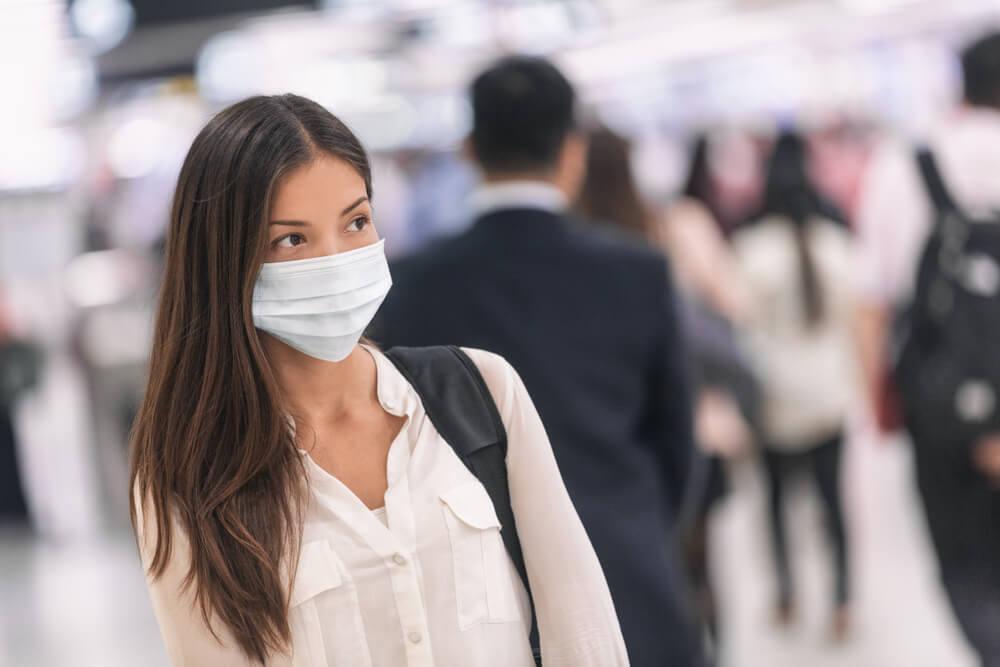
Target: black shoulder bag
460,406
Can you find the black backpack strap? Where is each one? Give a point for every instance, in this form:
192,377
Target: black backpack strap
460,406
933,181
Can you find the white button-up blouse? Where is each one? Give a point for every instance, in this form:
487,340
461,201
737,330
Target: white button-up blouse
429,582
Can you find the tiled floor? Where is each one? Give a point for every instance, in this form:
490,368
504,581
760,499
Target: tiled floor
82,605
900,618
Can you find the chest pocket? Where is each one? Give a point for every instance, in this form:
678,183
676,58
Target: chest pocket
482,568
327,630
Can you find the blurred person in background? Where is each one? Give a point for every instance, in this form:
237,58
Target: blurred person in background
910,200
20,369
699,188
724,175
590,320
691,233
294,502
725,389
797,261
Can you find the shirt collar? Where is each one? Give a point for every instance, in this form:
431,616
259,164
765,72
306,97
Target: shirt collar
395,394
489,197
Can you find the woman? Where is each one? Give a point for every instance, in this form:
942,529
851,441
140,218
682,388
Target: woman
796,261
293,503
692,234
725,390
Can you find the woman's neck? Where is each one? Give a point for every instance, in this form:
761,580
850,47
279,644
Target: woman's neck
323,392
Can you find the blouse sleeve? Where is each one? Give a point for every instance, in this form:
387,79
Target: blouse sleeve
189,642
577,622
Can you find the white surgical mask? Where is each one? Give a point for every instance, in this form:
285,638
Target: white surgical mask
322,306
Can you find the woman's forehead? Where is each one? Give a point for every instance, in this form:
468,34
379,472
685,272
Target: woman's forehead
315,189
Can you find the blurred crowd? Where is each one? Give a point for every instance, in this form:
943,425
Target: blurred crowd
830,275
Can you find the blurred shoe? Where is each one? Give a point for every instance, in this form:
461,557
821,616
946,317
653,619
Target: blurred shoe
784,613
840,626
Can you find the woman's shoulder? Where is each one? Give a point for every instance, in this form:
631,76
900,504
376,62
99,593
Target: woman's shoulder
685,209
495,369
500,376
762,236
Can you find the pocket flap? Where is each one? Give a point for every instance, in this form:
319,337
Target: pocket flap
471,503
318,571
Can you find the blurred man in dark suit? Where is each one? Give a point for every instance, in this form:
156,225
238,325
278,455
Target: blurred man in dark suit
588,319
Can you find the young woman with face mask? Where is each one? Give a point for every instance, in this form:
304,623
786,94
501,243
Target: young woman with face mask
293,503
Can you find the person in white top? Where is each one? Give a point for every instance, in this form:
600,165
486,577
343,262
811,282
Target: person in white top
796,261
958,492
293,503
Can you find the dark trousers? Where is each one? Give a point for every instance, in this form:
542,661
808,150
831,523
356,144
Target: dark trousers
822,461
963,518
12,504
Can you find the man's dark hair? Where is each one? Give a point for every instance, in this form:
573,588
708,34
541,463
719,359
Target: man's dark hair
522,109
981,71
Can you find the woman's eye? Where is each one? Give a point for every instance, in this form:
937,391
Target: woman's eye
358,224
289,241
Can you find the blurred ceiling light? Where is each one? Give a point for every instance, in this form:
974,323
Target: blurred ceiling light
657,47
43,74
462,26
228,66
136,147
73,86
387,122
355,7
420,5
103,23
536,27
340,82
875,6
44,159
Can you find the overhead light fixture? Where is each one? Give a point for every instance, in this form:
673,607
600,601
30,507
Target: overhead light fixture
228,67
871,7
103,23
40,159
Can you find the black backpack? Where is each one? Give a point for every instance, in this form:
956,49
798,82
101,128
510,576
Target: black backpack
463,411
948,355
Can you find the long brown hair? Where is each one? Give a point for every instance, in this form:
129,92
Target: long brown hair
211,448
609,194
791,194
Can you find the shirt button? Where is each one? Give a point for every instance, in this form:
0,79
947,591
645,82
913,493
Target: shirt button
399,559
415,637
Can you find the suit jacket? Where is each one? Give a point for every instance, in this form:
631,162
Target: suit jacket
589,320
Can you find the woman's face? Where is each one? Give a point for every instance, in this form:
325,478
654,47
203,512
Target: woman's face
320,209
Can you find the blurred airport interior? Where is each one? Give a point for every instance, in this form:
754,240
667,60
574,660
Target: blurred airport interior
103,97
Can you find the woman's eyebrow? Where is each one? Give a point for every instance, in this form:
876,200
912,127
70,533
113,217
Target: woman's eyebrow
299,223
354,205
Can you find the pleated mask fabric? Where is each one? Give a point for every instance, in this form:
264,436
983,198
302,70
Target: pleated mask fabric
321,306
